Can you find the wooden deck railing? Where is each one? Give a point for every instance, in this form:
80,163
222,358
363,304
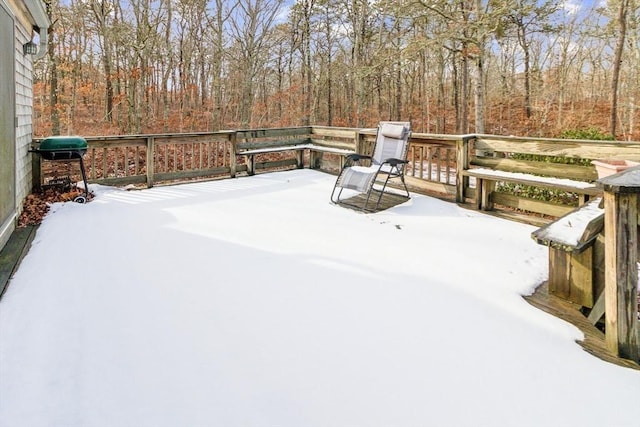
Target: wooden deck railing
560,159
150,159
147,159
436,162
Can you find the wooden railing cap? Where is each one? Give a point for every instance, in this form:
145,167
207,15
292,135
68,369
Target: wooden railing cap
627,181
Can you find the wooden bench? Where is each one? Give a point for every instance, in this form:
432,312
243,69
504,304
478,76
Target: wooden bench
486,180
251,150
576,270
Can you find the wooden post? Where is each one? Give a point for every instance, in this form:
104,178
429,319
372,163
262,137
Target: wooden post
621,254
486,188
571,275
36,172
312,160
251,165
233,139
359,140
462,164
300,159
150,161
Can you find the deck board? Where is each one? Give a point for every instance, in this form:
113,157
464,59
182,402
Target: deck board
389,200
594,341
13,252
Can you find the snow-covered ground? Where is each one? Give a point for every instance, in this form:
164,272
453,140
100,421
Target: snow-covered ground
256,302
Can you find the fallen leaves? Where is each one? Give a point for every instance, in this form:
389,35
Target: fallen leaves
36,205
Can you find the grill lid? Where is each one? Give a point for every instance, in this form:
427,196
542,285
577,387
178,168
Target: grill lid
61,143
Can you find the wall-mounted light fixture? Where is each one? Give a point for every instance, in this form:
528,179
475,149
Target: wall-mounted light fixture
29,48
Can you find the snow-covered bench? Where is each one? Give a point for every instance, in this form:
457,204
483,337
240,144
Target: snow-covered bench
572,258
486,181
250,150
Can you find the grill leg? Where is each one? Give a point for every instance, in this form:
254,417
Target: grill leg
81,199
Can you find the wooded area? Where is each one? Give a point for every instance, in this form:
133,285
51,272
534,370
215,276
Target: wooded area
523,67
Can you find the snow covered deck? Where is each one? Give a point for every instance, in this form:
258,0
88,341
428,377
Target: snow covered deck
255,301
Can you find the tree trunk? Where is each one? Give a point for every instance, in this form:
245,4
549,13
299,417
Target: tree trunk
479,93
53,77
463,126
527,69
479,87
617,63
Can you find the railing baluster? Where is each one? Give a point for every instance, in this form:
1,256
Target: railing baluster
429,163
104,163
448,168
136,166
150,161
93,163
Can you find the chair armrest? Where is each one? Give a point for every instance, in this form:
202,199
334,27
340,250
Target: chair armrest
356,157
395,162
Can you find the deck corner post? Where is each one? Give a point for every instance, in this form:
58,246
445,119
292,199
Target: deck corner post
621,193
36,172
462,164
359,140
150,161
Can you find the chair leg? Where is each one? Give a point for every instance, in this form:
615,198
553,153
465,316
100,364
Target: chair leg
335,186
404,184
384,186
337,199
366,203
394,173
397,174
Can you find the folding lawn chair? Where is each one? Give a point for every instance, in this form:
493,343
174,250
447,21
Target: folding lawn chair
388,161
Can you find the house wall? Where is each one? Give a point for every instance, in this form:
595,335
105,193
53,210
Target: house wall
24,108
7,124
26,14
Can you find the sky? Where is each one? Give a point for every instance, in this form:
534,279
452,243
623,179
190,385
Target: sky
254,301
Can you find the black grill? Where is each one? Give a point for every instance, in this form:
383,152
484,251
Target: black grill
56,148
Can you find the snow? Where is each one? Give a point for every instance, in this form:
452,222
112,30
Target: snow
548,180
569,229
256,302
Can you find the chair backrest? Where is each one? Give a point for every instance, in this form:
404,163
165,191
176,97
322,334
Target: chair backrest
391,141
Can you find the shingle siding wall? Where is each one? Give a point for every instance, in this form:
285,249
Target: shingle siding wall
24,99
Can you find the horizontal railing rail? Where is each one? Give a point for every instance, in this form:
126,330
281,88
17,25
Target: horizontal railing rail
561,159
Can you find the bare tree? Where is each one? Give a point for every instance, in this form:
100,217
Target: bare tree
222,10
53,70
359,16
303,11
621,24
529,17
327,45
250,25
102,10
